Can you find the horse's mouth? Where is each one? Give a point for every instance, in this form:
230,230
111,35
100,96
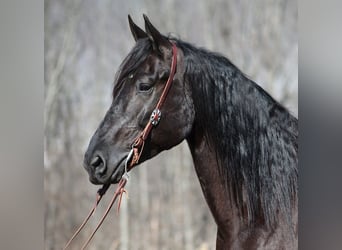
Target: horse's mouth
118,171
112,175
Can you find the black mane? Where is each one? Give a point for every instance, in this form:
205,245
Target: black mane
133,60
255,138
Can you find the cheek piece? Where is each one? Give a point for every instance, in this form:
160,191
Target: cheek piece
155,117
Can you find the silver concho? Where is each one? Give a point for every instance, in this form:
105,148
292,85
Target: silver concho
155,117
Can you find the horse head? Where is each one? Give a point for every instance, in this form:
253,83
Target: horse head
138,86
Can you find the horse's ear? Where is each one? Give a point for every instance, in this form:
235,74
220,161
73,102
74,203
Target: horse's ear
160,42
136,31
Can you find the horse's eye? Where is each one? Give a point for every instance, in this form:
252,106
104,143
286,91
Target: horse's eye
144,87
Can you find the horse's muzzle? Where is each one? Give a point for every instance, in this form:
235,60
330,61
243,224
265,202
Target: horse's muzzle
101,171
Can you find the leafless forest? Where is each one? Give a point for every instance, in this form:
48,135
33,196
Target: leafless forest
85,41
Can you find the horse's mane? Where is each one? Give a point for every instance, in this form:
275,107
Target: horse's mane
132,62
255,138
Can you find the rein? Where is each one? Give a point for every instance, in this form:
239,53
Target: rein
132,158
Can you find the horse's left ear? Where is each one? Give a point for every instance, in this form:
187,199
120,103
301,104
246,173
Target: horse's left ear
136,31
160,42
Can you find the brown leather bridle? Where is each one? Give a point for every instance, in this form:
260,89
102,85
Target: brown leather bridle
139,142
133,156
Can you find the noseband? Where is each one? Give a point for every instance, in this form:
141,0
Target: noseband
133,157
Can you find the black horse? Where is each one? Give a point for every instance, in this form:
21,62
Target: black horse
243,142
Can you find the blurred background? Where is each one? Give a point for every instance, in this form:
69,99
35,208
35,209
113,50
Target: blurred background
85,41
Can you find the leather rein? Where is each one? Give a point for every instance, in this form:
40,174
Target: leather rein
132,158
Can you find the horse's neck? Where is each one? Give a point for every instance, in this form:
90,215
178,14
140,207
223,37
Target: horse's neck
213,186
232,231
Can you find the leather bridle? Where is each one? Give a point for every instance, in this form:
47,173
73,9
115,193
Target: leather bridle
139,142
133,156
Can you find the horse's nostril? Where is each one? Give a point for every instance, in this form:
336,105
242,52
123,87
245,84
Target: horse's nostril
96,161
99,165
